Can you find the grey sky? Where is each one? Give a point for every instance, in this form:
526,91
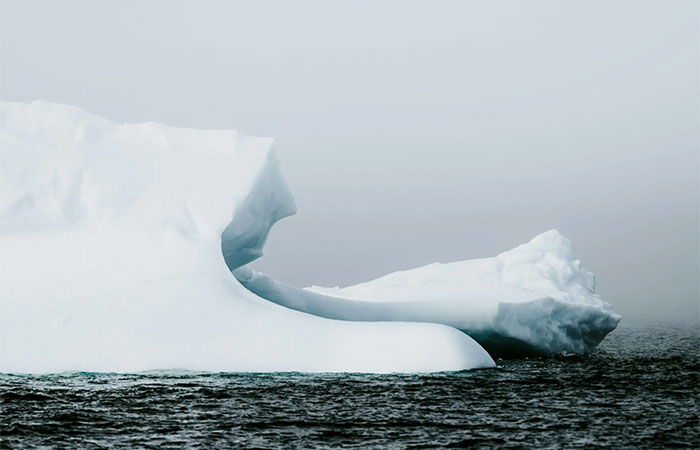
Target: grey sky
416,132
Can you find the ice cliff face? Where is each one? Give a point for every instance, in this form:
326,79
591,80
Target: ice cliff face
117,243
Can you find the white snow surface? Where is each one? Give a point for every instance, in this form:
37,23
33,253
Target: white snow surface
114,246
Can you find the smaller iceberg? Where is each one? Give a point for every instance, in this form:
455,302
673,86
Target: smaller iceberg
535,299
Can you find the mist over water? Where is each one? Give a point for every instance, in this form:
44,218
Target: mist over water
638,390
442,131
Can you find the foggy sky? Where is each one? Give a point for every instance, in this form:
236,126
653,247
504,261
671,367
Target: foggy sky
416,132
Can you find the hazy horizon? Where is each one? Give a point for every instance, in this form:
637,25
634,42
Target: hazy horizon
413,134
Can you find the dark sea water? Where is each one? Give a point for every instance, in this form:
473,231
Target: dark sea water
639,390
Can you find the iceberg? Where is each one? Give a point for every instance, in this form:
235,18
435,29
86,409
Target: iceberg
116,248
536,299
126,248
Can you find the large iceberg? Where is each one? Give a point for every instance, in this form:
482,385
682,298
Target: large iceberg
118,243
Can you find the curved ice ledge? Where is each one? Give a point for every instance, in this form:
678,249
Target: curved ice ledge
535,299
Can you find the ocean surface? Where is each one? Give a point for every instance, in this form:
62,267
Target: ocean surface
640,389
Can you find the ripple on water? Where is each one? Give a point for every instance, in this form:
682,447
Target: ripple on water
640,390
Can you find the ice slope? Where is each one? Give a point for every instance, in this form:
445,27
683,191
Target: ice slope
114,246
534,299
